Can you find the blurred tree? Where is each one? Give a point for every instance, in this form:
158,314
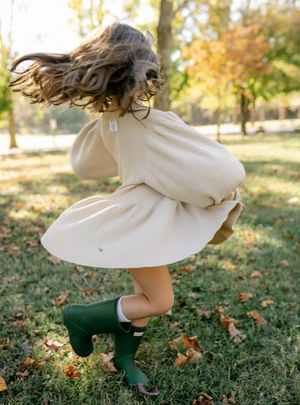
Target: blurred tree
233,62
6,100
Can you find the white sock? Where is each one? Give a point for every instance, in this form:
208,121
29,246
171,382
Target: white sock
121,316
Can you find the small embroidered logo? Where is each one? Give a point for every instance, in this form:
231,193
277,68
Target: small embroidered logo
138,333
113,126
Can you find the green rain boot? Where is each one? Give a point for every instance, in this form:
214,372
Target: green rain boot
126,345
84,321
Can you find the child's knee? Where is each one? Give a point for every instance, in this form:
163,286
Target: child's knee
164,304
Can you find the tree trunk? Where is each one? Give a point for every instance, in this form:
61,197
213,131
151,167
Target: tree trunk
244,114
164,45
12,130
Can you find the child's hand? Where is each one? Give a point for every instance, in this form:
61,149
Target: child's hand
239,198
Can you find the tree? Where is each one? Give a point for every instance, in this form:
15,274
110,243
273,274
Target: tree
6,100
232,63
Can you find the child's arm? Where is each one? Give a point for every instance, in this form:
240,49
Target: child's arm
89,156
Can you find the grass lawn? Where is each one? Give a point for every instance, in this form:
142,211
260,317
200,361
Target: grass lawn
262,367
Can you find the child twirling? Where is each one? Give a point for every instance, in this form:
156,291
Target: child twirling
178,193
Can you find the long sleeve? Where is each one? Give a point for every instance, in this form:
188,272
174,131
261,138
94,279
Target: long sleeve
188,166
89,157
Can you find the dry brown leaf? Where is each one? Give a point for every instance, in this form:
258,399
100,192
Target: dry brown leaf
292,304
106,278
203,399
227,321
106,358
256,273
229,266
204,313
243,297
188,267
79,268
3,386
72,373
241,255
62,298
257,317
218,310
266,302
253,249
192,342
52,344
27,361
232,397
54,260
193,354
284,263
181,360
24,374
174,325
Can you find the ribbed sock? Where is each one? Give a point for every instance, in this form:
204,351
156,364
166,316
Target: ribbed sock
121,316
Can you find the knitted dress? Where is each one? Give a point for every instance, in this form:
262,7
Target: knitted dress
178,193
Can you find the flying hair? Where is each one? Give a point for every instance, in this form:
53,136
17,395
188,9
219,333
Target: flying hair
114,60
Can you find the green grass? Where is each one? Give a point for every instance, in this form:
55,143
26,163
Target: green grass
263,370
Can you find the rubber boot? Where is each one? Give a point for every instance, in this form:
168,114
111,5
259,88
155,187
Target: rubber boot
126,345
84,321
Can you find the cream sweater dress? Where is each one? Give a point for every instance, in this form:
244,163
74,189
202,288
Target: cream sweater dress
178,193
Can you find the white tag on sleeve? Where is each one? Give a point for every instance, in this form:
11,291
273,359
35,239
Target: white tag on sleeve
113,126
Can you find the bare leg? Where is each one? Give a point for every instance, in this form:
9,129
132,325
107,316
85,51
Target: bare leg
143,321
157,298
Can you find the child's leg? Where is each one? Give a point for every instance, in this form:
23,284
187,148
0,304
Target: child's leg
143,321
157,297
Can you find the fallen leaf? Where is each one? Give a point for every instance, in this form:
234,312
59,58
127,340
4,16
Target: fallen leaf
284,263
203,399
256,273
225,400
54,260
292,304
174,325
243,297
188,267
229,266
241,255
204,313
52,344
3,386
106,358
253,249
181,360
62,298
232,397
71,372
27,361
106,278
257,317
266,302
287,236
79,268
24,374
227,321
218,310
193,354
192,342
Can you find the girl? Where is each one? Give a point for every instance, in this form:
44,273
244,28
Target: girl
178,193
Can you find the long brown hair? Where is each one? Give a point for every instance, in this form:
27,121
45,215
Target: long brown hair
114,60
